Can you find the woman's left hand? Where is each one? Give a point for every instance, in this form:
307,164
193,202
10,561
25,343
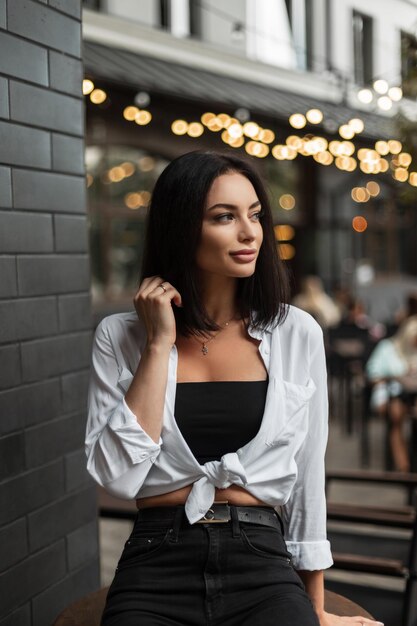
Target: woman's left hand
328,619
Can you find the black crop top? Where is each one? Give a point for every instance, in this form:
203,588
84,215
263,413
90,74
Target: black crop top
220,416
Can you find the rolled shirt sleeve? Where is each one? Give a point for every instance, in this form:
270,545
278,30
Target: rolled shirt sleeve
119,452
304,514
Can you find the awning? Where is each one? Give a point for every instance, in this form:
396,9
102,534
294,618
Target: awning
179,81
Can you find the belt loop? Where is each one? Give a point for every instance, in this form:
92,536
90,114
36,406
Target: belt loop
235,521
176,525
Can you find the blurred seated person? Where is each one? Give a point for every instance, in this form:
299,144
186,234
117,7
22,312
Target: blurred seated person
357,315
313,299
391,359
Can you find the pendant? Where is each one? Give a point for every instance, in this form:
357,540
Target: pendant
204,349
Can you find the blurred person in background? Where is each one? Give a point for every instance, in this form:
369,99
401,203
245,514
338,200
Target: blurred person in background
314,300
392,359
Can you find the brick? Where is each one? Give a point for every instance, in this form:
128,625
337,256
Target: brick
63,435
28,318
32,576
4,96
68,154
21,617
74,391
8,273
66,73
59,518
46,191
12,456
21,59
45,358
38,23
10,371
70,233
72,7
20,145
25,232
47,606
53,274
29,405
76,475
5,187
29,491
82,545
74,312
45,108
3,15
14,544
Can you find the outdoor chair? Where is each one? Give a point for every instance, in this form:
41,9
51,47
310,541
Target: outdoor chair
376,540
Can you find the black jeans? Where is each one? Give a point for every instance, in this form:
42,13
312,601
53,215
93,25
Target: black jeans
236,573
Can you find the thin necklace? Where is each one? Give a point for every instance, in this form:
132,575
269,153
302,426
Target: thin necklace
203,344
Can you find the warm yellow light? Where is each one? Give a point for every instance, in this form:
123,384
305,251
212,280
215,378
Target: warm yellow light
98,96
88,86
257,149
360,194
383,165
404,159
356,124
235,130
359,224
348,148
133,200
385,103
297,120
365,96
130,113
287,201
179,127
346,131
366,167
294,141
401,174
224,119
206,117
373,188
395,93
116,174
215,124
314,116
266,135
195,129
395,146
237,143
381,86
143,117
89,180
284,232
413,179
382,147
286,251
324,158
128,168
146,164
336,148
250,129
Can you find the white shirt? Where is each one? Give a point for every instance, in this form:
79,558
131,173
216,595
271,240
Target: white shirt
283,465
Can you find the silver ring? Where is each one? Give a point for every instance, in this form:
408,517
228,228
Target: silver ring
161,285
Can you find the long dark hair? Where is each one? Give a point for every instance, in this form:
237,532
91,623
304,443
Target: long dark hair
173,234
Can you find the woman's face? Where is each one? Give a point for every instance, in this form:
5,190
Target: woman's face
230,226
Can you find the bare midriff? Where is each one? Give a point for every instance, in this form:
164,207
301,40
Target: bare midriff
233,495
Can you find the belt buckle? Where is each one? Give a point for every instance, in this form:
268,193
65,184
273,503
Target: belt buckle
212,516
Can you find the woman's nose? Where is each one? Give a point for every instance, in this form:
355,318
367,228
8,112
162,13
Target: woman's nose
247,230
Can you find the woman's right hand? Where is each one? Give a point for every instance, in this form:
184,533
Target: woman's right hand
153,306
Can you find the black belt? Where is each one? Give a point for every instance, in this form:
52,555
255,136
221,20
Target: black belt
219,512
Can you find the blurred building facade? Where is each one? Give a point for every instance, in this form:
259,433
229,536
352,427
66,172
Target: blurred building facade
260,62
48,511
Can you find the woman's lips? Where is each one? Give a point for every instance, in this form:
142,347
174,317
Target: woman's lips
244,257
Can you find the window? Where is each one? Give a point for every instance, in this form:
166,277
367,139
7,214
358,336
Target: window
195,19
362,48
165,14
409,65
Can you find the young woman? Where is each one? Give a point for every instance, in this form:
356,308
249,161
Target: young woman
390,360
208,405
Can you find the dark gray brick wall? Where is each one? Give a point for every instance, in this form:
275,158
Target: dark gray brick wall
48,510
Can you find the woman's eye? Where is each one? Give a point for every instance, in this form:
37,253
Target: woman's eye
258,215
224,218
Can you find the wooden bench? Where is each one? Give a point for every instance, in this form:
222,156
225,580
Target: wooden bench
369,551
88,610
